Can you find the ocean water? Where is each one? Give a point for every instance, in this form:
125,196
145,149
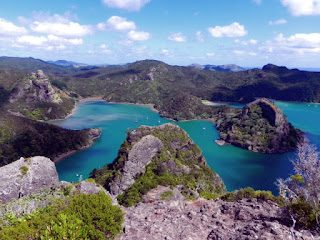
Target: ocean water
238,167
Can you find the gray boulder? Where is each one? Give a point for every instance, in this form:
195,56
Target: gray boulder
27,176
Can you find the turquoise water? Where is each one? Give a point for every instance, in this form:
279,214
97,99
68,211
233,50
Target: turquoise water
237,167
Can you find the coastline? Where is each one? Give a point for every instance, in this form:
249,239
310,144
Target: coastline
62,156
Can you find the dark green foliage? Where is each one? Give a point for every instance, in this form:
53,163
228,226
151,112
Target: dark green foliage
80,217
20,137
59,84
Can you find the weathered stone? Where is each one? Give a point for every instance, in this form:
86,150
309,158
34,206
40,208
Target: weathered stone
177,219
139,156
26,176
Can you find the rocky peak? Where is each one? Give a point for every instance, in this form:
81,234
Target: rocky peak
269,111
153,156
37,88
260,127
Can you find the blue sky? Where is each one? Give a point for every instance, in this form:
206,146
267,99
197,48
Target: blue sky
249,33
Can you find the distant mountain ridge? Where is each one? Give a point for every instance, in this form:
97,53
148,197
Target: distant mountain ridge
218,68
66,63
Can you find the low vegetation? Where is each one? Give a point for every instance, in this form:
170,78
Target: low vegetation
302,190
79,217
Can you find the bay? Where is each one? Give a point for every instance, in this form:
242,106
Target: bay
238,168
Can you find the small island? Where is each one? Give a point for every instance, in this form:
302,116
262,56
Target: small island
259,127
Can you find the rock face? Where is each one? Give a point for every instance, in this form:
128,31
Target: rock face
260,127
139,157
153,156
208,219
26,176
37,88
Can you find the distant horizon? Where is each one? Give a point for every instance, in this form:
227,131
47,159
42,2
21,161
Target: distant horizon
310,69
246,33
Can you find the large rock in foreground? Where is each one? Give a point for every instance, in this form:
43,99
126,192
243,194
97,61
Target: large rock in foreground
260,127
26,176
246,219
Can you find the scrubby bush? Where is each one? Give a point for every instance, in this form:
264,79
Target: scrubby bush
80,217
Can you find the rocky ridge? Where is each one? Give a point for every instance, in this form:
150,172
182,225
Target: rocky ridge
37,88
260,127
152,156
209,219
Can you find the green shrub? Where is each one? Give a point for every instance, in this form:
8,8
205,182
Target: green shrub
167,195
24,170
81,217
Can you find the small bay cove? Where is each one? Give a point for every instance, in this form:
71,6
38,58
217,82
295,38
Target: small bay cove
238,168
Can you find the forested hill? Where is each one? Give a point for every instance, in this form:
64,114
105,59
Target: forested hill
176,91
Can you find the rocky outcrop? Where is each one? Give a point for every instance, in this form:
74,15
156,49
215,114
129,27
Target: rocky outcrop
26,176
153,156
139,157
208,219
36,88
260,127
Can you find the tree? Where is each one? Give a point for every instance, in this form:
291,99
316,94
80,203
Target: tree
302,190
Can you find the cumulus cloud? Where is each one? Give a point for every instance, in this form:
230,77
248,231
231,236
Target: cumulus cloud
300,42
278,22
177,37
8,28
32,40
232,30
70,29
199,36
49,42
117,23
130,5
302,7
165,52
138,35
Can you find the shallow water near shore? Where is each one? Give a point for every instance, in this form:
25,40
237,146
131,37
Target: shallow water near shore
237,167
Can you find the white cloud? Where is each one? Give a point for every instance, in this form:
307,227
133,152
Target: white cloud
69,29
278,22
232,30
130,5
253,41
199,36
117,23
257,1
105,49
210,54
302,7
300,42
50,42
139,35
177,37
239,52
8,28
165,52
32,40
